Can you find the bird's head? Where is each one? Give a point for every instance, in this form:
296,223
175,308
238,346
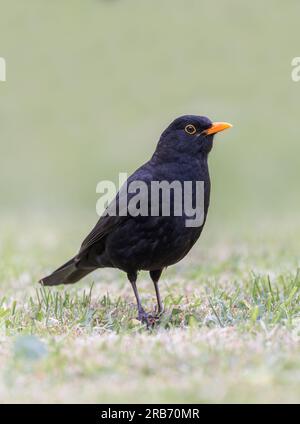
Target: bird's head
190,134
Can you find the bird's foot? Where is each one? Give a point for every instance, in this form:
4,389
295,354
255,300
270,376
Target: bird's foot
147,319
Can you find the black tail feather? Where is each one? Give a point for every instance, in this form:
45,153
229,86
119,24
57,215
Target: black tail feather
68,273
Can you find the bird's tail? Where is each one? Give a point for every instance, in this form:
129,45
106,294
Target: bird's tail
68,273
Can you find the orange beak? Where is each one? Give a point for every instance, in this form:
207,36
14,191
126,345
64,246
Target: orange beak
217,127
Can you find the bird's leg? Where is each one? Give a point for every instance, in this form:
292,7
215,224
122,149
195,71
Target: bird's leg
155,276
142,315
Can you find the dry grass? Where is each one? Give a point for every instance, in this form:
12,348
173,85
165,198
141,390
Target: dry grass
230,332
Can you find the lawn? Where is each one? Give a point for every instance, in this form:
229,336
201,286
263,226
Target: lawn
230,332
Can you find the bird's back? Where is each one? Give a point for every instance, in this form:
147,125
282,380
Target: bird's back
149,242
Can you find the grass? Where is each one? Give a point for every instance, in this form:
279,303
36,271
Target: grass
242,305
230,332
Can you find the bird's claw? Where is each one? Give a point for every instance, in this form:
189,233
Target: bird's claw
152,320
148,319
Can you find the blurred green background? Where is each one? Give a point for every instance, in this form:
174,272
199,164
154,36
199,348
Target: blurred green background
91,85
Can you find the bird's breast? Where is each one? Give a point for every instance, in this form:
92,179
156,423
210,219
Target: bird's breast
149,243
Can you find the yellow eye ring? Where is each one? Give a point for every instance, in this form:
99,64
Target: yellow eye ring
190,129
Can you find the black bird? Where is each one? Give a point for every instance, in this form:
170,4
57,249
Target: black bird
151,243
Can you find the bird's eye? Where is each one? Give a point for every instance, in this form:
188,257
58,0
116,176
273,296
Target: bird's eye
190,129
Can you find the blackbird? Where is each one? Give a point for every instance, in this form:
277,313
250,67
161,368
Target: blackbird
135,242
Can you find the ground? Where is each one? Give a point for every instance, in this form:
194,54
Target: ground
230,332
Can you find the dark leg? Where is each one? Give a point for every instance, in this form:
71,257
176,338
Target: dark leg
155,276
142,315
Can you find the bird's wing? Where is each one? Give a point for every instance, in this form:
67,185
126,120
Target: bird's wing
103,227
108,222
